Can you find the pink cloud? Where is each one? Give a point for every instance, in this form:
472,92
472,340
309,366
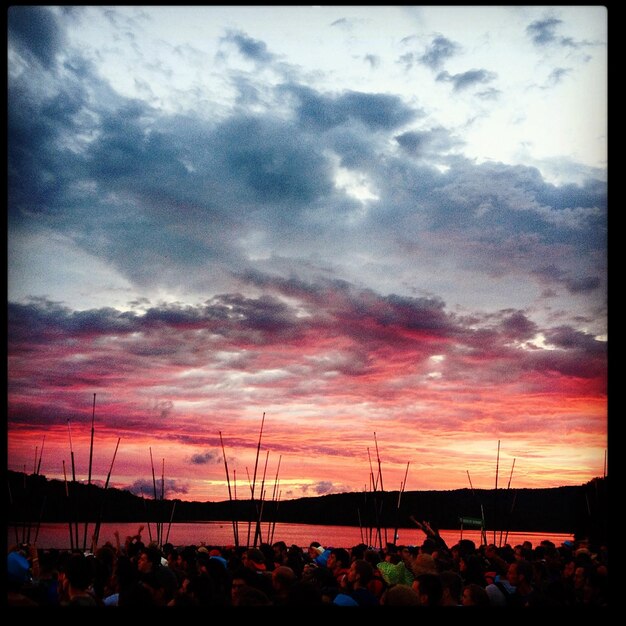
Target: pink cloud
354,364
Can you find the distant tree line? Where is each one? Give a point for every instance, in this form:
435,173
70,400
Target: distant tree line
579,510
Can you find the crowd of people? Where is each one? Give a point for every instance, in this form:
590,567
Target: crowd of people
134,573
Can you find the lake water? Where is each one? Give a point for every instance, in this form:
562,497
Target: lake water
221,533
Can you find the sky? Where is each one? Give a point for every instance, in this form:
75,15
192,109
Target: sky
381,232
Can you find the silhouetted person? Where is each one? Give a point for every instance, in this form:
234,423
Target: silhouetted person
475,595
429,589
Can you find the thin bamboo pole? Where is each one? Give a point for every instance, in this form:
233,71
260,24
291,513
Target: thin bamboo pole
93,423
96,533
257,531
402,488
274,492
43,443
162,509
72,502
483,531
158,536
252,504
145,507
69,507
230,497
271,541
368,528
169,526
35,491
374,487
382,492
358,513
495,497
508,487
380,471
256,464
30,513
237,510
506,536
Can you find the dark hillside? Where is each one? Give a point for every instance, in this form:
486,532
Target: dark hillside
579,510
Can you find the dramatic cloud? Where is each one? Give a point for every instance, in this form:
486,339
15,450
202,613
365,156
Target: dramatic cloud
323,487
36,33
146,488
438,52
467,79
341,226
374,111
205,457
543,33
427,143
250,48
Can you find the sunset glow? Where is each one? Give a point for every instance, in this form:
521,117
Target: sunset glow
376,245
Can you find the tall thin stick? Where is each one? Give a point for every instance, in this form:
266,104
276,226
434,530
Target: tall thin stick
380,471
373,487
382,492
367,529
93,425
71,451
230,497
271,541
43,506
402,488
256,464
257,530
274,491
162,522
249,481
96,533
106,484
483,532
237,510
40,455
251,504
495,497
69,430
375,503
374,483
29,515
258,450
506,537
508,487
145,506
155,494
67,495
169,526
163,479
470,482
36,487
358,514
